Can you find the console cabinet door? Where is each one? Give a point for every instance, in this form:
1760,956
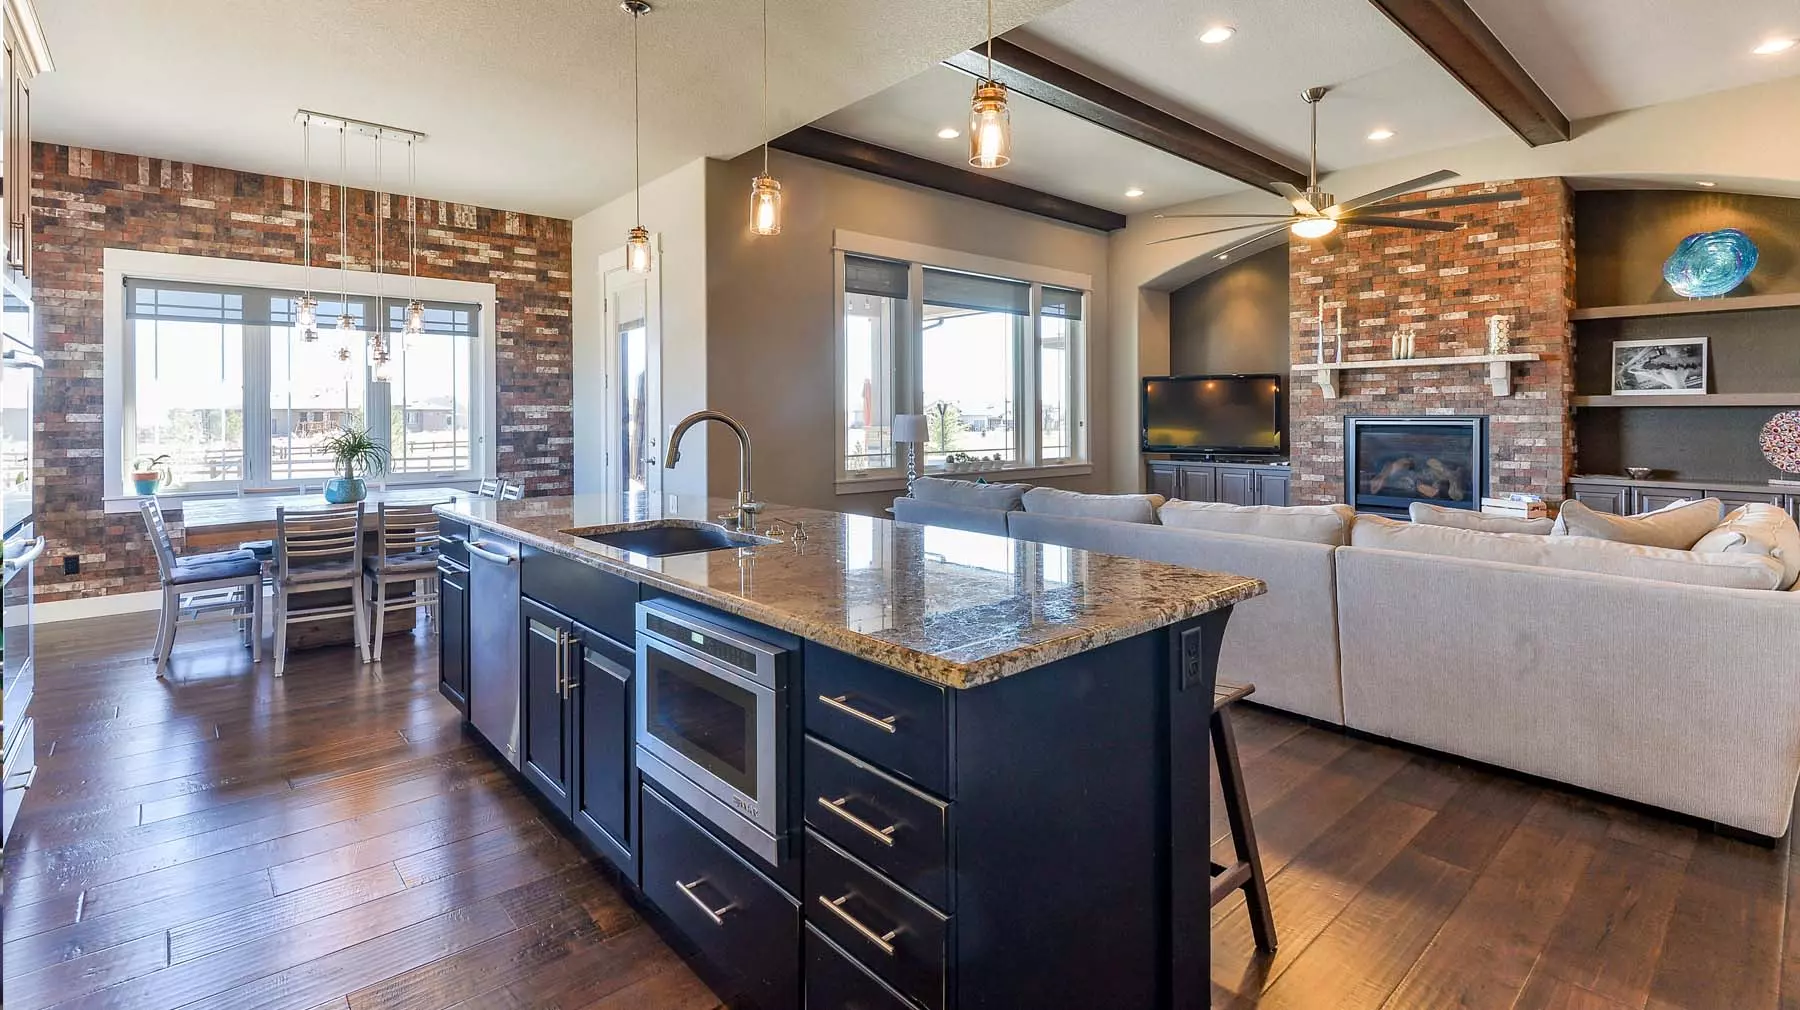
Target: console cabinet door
603,675
1165,480
1271,487
1236,486
548,760
1651,499
453,635
1198,483
1611,498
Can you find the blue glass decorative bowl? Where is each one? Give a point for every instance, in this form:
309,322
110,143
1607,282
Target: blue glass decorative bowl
1710,263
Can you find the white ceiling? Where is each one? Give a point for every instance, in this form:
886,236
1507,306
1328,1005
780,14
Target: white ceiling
1598,56
526,103
1052,151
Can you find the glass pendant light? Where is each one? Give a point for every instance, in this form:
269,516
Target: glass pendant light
990,123
346,325
378,324
637,243
765,191
415,309
306,307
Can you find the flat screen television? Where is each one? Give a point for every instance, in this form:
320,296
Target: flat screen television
1237,415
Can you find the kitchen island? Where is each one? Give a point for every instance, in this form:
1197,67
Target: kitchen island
856,762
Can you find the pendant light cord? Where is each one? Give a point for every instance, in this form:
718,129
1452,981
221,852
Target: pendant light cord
637,152
412,213
306,197
380,248
765,85
990,44
344,218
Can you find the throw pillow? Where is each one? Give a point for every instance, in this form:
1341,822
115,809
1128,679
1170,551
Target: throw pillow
967,492
1762,530
1678,527
1426,514
1125,508
1316,524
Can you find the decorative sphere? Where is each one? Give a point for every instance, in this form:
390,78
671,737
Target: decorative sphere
1710,263
1781,441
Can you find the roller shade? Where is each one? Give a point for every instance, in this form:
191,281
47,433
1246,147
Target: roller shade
1062,303
881,278
178,302
976,293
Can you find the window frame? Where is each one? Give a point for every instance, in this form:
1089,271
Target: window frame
908,359
119,265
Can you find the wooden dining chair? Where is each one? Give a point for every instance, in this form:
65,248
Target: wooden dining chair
510,491
318,550
490,488
406,541
202,588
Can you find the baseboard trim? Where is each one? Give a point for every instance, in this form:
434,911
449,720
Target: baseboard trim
54,611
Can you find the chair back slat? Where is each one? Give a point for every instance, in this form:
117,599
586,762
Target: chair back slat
407,529
159,537
490,488
318,535
510,491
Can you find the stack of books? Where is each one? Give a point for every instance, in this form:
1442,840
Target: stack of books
1518,506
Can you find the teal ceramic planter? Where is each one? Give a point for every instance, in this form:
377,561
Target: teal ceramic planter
344,490
146,487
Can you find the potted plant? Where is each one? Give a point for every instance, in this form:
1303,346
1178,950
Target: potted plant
358,453
149,472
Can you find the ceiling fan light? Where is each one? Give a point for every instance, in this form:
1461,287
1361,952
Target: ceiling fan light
1314,227
765,205
990,126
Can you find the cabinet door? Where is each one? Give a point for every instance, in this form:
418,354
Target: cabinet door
1651,499
1271,487
22,154
1237,487
453,636
603,681
1610,498
1165,480
1734,499
1198,483
547,760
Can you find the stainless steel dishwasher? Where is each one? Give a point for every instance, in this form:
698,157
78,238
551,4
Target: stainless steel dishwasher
494,641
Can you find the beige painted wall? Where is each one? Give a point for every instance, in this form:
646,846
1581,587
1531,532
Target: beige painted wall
771,337
1741,139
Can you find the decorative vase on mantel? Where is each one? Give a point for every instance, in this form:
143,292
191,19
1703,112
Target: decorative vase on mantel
1499,333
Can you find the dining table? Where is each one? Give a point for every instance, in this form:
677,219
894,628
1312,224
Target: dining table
213,524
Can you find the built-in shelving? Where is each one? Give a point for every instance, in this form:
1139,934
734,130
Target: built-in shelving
1698,306
1692,400
1499,367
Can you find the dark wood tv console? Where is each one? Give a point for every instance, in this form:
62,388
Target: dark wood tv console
1231,483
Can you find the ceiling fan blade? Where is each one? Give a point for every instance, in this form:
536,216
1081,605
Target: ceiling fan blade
1172,217
1297,198
1414,223
1390,192
1242,243
1220,231
1448,201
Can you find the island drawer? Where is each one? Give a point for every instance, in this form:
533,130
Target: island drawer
605,602
834,981
904,941
879,819
453,540
741,923
900,723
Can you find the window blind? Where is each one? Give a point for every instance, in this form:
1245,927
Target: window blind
1062,302
175,301
976,293
882,278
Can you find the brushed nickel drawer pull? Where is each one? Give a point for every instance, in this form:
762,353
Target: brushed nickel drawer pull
883,835
885,725
878,939
716,915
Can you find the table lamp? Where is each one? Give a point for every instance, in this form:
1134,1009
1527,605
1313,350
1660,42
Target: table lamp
910,428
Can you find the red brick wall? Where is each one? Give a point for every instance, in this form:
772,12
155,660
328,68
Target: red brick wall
1516,259
85,201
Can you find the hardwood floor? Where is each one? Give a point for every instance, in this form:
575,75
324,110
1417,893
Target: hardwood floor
332,839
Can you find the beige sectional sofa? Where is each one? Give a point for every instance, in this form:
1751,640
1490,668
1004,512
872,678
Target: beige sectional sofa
1628,674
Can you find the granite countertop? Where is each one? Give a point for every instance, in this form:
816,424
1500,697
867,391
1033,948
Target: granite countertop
955,608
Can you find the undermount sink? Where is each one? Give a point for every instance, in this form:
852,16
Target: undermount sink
664,539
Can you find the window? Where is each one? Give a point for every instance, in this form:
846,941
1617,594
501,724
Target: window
991,353
219,379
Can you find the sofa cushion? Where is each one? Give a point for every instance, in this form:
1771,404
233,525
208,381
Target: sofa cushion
1678,526
968,492
1760,530
1315,524
1578,554
952,516
1124,508
1428,514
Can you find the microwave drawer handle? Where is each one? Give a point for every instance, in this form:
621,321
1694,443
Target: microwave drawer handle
883,835
886,725
717,915
880,940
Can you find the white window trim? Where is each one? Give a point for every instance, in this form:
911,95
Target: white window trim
918,257
119,264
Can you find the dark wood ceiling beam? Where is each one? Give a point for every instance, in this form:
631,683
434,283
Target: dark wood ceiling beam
812,142
1042,79
1456,38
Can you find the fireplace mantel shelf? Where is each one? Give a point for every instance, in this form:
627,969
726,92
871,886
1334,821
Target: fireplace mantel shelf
1499,368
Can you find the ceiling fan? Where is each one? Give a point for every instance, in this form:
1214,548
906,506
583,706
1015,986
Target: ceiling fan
1316,216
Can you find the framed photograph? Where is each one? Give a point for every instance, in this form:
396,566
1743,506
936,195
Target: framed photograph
1659,367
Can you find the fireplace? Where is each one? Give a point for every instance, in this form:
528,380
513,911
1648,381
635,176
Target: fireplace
1391,462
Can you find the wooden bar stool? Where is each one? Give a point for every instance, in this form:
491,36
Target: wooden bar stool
1246,872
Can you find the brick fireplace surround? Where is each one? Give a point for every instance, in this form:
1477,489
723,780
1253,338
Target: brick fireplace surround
1515,258
85,201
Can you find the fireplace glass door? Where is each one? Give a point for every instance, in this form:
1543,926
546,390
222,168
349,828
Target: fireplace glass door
1393,462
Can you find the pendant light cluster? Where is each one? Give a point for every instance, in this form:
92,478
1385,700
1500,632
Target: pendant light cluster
990,122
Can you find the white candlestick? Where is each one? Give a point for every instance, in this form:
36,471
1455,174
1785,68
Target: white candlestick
1340,334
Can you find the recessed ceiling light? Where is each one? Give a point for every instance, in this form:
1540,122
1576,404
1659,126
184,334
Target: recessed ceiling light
1772,46
1134,192
949,133
1217,34
1382,134
1708,185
